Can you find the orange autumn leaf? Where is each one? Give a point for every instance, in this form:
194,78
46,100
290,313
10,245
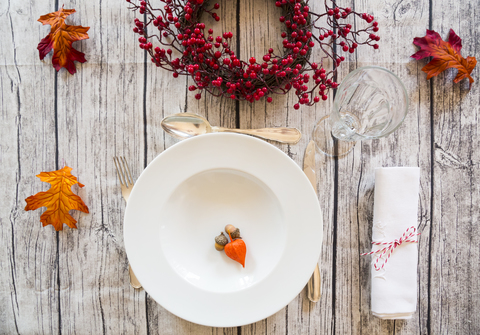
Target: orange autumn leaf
445,55
59,199
60,39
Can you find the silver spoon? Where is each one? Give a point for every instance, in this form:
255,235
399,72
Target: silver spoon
185,125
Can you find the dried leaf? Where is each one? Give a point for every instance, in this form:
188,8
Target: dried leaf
59,199
60,39
445,55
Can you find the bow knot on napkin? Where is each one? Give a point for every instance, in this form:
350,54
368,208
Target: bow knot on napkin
391,247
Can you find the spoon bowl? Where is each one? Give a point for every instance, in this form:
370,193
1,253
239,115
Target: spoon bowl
186,125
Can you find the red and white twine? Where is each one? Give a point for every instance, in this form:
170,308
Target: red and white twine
406,238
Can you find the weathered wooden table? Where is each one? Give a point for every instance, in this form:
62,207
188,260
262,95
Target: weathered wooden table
76,281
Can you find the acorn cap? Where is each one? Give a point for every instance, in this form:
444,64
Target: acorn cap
236,233
221,239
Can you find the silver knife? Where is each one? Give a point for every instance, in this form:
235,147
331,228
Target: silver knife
313,286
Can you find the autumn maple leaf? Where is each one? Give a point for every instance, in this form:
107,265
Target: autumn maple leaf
445,55
59,199
60,39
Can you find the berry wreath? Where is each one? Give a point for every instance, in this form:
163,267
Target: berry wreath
215,68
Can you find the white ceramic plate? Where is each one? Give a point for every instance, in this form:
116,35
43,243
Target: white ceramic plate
186,196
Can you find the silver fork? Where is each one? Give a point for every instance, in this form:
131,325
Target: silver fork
126,182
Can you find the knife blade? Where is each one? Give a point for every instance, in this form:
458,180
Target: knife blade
313,286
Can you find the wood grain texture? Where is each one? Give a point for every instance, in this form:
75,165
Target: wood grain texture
100,115
407,146
29,301
76,281
455,233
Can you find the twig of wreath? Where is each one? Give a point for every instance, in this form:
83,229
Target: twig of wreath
215,68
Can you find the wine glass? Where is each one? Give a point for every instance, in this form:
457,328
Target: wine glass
371,102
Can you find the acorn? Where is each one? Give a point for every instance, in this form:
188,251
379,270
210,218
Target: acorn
235,233
220,241
230,228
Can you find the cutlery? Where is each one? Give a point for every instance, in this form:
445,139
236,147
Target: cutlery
186,125
313,286
126,182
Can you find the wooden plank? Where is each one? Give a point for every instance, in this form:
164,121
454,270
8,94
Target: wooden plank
166,96
261,30
455,255
408,146
28,256
100,115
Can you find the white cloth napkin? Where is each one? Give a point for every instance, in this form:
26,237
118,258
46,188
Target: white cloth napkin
394,287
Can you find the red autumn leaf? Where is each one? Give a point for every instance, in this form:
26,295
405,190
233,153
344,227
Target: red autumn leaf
59,199
236,250
445,55
60,39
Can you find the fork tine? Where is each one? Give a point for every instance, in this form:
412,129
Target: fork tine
127,172
119,172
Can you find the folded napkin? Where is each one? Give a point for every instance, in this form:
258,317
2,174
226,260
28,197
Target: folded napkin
394,284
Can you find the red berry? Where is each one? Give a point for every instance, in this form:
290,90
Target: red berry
345,48
252,60
324,97
269,99
198,96
296,106
375,46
